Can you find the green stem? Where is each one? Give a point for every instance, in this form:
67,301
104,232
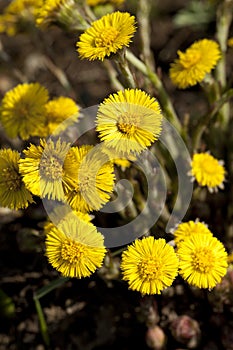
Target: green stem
143,17
39,294
205,120
224,19
117,252
123,66
112,74
164,99
42,322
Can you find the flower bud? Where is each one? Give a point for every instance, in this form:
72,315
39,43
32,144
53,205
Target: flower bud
186,331
155,338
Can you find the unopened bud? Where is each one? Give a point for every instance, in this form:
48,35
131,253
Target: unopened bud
155,338
186,331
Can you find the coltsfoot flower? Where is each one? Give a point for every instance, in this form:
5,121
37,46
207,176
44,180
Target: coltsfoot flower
43,170
57,111
75,248
48,12
106,36
129,121
186,229
22,111
193,64
203,260
93,178
149,265
208,171
13,193
18,16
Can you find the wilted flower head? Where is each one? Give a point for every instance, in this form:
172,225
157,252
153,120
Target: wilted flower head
193,64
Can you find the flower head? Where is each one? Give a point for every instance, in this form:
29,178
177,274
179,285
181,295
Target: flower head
203,260
22,111
187,229
193,64
106,36
18,15
13,193
64,13
93,178
75,248
42,169
230,42
129,121
47,12
208,171
59,110
149,265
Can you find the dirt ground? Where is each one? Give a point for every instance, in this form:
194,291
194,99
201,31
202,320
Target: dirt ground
99,313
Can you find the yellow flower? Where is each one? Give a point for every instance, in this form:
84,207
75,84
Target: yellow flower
129,121
48,11
187,229
230,42
149,265
59,110
75,248
22,111
13,193
92,176
193,64
42,169
18,15
203,260
106,36
208,171
102,2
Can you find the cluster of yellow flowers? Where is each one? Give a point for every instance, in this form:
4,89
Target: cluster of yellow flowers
150,265
127,122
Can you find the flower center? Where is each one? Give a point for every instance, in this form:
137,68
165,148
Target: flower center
51,168
127,123
72,251
150,269
209,166
83,182
106,37
13,179
190,58
203,260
